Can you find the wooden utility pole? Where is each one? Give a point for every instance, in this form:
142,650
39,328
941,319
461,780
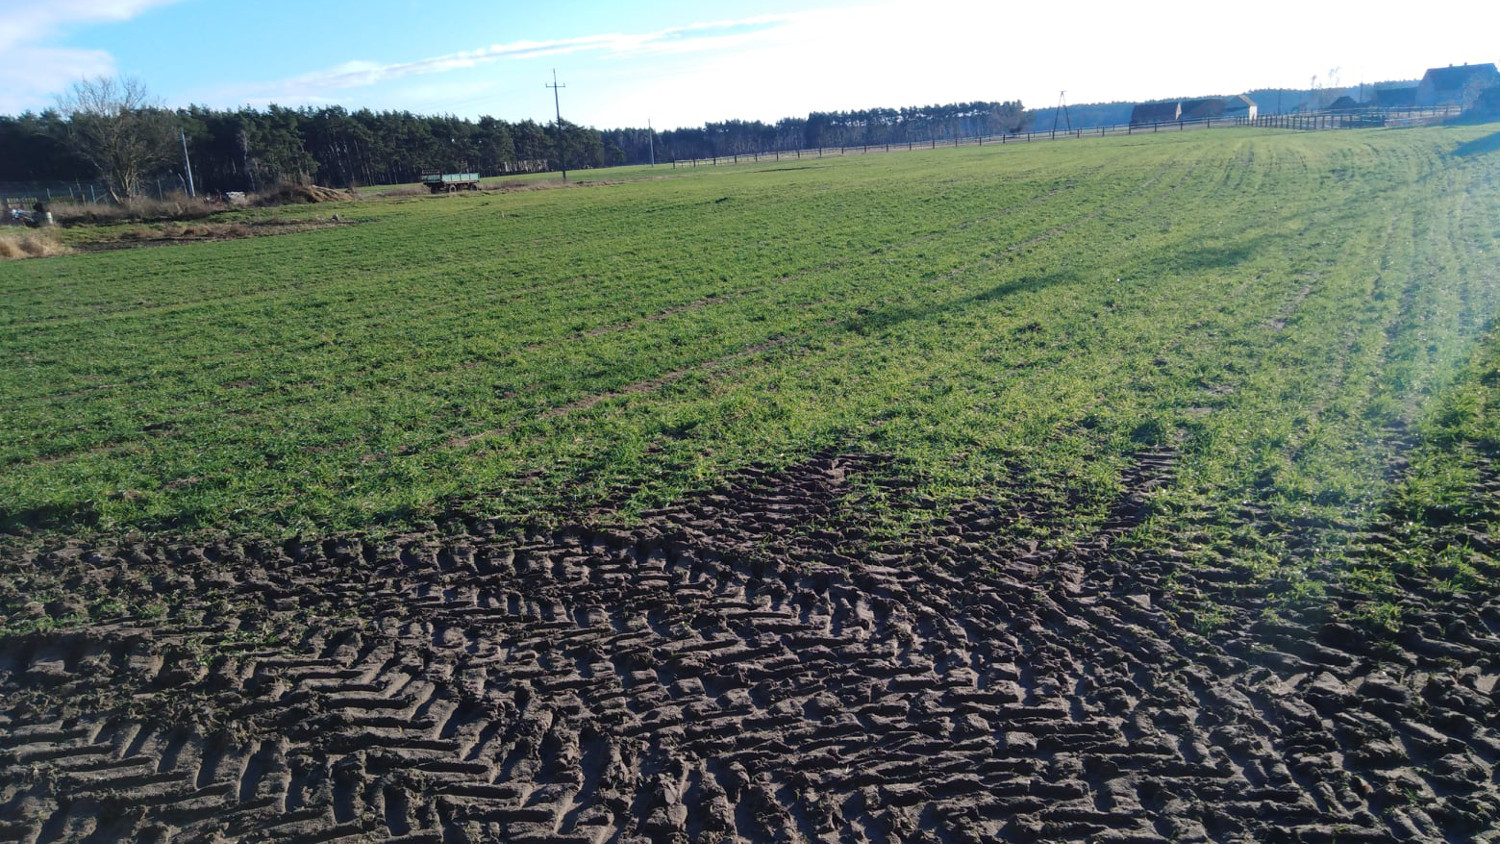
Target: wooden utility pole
187,163
562,151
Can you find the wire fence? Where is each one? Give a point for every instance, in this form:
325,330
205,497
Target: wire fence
1306,121
24,196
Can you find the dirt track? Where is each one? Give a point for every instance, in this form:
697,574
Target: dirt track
740,669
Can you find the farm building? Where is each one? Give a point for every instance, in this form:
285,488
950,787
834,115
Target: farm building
1344,103
1147,113
1395,97
1455,85
1202,109
1487,104
1241,106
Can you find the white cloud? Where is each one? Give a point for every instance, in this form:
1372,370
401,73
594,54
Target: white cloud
900,53
884,54
33,71
697,37
29,23
31,76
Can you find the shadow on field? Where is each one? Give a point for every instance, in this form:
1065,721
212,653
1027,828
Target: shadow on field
1183,261
889,318
66,516
1478,146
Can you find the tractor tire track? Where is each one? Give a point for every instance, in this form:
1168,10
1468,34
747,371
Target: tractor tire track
737,669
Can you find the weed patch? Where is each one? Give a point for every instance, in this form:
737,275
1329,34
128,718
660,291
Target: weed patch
27,243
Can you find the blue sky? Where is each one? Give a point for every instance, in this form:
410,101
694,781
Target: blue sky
682,64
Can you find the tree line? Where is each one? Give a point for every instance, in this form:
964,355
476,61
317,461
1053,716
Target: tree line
247,149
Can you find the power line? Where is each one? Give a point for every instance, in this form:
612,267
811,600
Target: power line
562,151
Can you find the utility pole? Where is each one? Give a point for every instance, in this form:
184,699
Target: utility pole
187,162
651,141
1062,111
562,152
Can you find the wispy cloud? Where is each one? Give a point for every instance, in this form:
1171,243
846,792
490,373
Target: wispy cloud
697,37
31,76
30,23
34,69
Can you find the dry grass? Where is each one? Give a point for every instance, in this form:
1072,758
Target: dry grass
174,207
27,243
188,231
405,190
161,234
301,195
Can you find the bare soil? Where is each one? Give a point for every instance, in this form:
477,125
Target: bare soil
749,667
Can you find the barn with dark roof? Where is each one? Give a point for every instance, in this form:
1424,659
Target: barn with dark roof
1487,104
1455,85
1405,97
1241,106
1203,109
1147,113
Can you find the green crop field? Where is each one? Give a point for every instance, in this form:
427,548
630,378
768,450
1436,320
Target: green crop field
1136,488
1283,311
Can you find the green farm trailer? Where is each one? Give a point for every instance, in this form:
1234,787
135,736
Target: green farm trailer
439,182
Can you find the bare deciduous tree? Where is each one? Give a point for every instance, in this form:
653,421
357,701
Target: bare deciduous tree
115,124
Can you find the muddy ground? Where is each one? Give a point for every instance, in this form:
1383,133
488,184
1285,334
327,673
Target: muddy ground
750,667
